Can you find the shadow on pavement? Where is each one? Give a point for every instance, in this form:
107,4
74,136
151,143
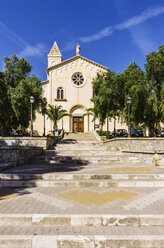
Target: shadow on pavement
17,180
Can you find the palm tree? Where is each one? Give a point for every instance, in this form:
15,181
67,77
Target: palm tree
55,113
44,112
95,114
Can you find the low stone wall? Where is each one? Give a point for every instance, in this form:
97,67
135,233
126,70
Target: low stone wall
18,155
136,144
140,149
44,142
141,157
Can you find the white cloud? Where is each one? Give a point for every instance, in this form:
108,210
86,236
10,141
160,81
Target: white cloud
33,51
105,32
28,50
12,36
143,39
144,16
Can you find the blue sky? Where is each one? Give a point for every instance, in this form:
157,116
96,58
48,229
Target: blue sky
111,32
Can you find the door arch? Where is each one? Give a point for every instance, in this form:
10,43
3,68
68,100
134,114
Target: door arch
77,112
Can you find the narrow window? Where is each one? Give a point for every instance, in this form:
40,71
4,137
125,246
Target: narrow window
60,93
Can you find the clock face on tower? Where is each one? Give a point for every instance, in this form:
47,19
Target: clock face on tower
54,63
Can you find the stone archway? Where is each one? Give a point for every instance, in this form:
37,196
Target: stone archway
77,112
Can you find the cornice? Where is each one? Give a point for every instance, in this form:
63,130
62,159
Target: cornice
45,82
73,59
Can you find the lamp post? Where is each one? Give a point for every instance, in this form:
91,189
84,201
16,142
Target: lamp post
114,126
44,129
129,101
31,101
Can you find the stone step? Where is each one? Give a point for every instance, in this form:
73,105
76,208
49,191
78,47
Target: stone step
79,238
83,220
74,148
85,160
92,230
84,183
82,157
81,177
6,165
80,153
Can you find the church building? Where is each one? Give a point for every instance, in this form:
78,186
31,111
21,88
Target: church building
69,84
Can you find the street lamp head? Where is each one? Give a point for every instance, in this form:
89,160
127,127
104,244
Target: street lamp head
31,99
129,100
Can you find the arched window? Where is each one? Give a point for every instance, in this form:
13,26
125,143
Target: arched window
60,93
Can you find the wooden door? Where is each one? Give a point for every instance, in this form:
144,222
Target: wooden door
78,124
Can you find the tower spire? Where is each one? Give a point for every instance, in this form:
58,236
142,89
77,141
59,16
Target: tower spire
54,50
54,56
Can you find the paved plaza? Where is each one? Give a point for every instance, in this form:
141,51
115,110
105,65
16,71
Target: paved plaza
82,202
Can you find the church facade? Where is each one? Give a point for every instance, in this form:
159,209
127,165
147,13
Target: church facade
69,84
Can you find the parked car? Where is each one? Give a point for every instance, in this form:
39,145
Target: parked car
162,133
20,133
137,132
120,133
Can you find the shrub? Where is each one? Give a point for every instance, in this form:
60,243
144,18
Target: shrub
103,133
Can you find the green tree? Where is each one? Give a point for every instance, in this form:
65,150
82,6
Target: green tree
111,91
108,95
17,85
91,111
136,86
155,74
55,113
100,97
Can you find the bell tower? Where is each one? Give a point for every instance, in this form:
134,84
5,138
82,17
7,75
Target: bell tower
54,56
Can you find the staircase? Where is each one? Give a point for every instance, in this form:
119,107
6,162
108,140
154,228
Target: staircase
80,194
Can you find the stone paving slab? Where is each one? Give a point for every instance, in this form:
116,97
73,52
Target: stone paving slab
80,241
82,201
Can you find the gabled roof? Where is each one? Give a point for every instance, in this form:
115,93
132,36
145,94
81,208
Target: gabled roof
73,59
54,50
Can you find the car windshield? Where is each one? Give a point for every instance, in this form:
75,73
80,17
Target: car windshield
138,131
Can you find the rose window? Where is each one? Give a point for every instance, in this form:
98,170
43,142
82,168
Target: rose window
78,78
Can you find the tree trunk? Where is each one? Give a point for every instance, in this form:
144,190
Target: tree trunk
151,131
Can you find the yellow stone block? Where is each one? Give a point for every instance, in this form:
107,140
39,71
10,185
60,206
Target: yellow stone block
4,195
90,197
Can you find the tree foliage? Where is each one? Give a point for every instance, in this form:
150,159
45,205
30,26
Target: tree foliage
55,113
146,89
107,95
16,87
136,86
155,73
